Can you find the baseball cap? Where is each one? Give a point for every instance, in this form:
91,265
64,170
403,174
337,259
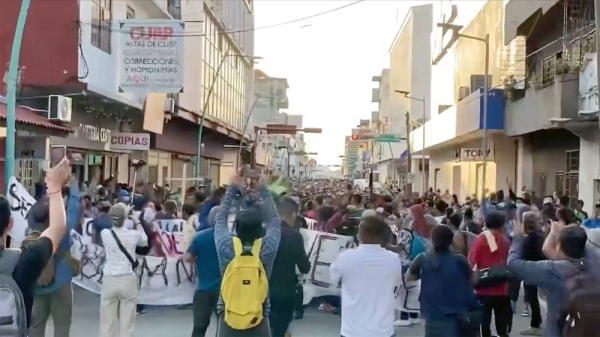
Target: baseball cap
548,201
118,213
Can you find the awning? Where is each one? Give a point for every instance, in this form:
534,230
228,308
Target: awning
517,12
26,116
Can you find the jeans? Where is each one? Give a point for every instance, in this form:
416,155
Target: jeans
205,303
500,305
281,315
531,296
261,330
118,300
59,305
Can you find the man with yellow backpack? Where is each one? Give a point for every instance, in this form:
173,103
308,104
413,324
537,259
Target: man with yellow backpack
246,261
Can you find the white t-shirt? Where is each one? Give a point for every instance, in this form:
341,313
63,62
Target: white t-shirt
116,262
369,276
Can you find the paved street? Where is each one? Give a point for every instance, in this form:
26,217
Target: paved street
168,321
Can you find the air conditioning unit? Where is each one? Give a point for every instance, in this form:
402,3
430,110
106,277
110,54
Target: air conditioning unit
170,105
463,92
60,108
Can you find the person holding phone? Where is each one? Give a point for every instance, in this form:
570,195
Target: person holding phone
27,264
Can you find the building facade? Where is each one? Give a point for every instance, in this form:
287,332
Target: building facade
82,61
411,72
553,115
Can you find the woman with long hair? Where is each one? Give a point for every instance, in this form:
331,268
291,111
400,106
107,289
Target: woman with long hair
447,297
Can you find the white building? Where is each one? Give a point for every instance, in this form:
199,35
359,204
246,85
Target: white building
411,72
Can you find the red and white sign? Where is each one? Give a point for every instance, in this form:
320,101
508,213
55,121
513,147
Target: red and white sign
130,141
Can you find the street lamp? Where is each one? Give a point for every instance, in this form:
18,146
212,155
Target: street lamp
279,129
205,106
239,153
486,41
422,100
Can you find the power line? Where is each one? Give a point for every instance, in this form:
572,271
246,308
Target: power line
199,34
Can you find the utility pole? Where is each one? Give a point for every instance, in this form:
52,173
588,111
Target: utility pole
407,185
11,93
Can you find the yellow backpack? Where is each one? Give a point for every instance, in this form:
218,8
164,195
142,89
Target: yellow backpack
245,287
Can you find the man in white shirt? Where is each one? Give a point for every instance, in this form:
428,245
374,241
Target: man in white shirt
369,276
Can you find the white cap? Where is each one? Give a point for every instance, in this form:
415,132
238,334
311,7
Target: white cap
548,201
368,212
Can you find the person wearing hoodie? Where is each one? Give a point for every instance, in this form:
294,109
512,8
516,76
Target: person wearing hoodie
215,200
56,299
565,246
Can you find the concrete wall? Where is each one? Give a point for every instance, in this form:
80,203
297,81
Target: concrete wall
534,111
470,54
589,171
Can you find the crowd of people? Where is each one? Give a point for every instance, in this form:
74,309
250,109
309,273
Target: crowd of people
452,265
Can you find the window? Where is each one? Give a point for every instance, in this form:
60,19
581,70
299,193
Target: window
101,24
549,70
573,161
130,13
543,184
174,8
559,182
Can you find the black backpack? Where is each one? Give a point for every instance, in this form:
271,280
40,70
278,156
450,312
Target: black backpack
582,305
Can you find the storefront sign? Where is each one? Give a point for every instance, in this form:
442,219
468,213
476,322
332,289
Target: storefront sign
151,56
474,155
130,141
94,133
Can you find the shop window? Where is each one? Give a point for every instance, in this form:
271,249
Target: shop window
101,24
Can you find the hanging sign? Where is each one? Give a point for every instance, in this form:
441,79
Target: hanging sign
151,56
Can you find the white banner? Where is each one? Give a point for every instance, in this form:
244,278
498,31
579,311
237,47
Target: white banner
163,280
151,56
20,203
322,249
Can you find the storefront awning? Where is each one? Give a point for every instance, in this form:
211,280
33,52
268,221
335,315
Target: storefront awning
26,116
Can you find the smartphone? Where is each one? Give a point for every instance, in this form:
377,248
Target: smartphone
57,153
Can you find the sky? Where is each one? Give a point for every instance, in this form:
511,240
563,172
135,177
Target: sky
329,61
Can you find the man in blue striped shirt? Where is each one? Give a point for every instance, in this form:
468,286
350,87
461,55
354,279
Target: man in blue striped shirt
249,228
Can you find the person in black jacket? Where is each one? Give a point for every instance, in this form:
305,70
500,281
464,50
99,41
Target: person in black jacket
284,281
532,251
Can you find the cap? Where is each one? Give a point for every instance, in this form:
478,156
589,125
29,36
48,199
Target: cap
118,212
548,201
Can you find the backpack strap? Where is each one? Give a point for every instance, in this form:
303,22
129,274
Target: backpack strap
9,258
256,247
238,248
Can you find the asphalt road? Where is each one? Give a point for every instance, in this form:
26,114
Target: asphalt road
168,321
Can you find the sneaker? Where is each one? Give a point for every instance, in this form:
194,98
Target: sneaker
402,322
525,313
533,332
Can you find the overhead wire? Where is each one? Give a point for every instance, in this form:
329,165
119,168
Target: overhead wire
235,31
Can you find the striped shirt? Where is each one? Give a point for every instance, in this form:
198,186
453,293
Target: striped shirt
224,242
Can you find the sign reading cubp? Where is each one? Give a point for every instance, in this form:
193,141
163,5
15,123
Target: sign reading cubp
151,56
130,141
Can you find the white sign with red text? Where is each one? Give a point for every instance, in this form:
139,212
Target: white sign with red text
151,56
130,141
